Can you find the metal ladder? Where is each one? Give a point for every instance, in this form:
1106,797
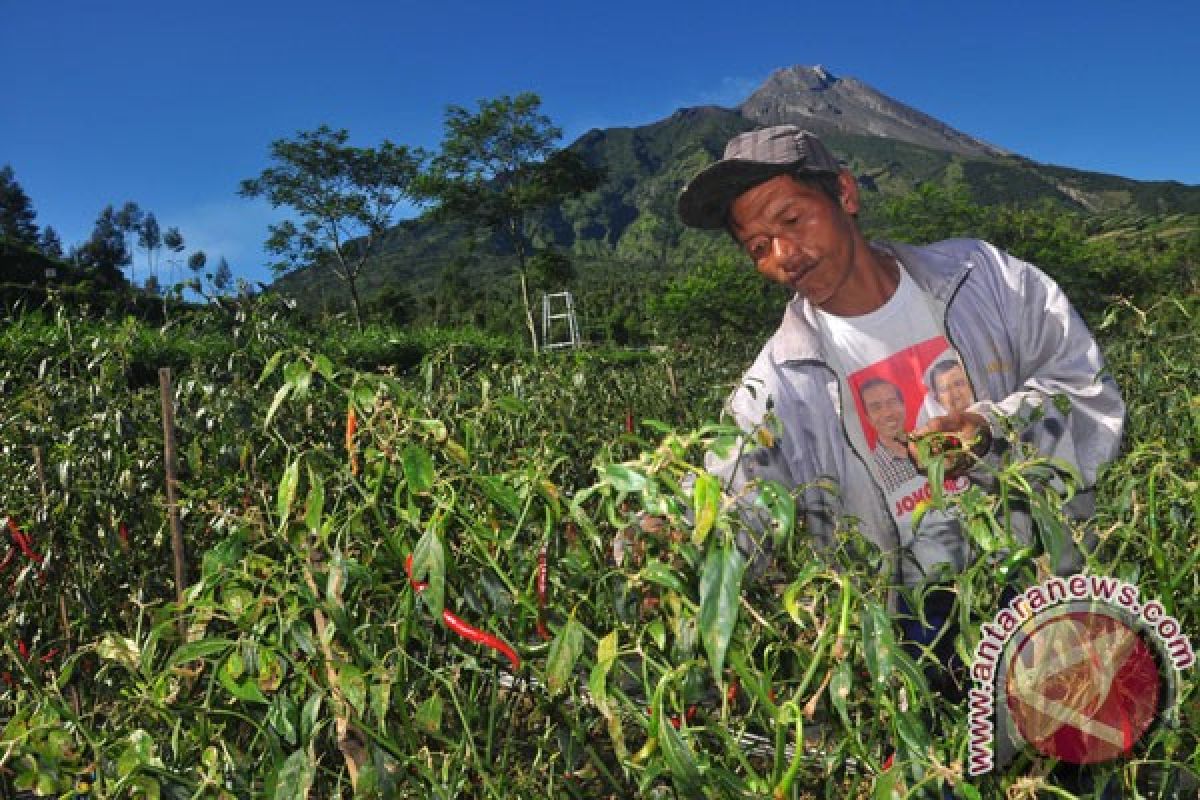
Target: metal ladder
548,317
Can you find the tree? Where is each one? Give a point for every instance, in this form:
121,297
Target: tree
497,168
129,222
196,261
223,278
16,210
50,244
105,250
173,241
150,240
345,197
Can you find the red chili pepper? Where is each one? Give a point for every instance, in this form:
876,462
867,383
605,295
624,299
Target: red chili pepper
46,658
22,649
23,541
454,623
732,692
123,535
629,420
469,632
689,715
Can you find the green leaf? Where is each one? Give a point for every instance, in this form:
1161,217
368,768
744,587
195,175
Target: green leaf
779,503
295,777
679,757
418,469
720,588
272,363
429,714
500,493
353,686
429,565
623,479
298,375
324,366
310,716
878,644
606,656
287,492
660,574
280,394
193,651
564,652
314,505
706,501
840,687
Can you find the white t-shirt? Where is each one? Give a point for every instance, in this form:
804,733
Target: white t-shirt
887,358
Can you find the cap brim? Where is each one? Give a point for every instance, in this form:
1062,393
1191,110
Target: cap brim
705,201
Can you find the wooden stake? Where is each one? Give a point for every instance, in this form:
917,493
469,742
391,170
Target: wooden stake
168,417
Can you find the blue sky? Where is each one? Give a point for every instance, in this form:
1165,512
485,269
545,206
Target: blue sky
172,104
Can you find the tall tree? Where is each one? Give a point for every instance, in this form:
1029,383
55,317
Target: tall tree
173,241
150,239
223,278
105,250
16,210
50,243
129,221
498,167
344,196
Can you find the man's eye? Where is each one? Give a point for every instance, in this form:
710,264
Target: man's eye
758,250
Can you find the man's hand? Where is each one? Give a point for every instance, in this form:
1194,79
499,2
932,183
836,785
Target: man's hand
956,435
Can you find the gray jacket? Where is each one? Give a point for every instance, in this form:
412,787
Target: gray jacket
1021,343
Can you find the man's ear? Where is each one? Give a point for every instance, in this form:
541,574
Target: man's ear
848,192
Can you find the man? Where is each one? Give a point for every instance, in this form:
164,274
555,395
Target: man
863,309
884,406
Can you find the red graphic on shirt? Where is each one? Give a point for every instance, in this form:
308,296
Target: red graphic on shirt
890,393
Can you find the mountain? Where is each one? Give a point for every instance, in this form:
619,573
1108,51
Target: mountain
814,98
630,218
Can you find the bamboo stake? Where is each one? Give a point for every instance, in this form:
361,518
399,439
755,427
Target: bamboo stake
168,417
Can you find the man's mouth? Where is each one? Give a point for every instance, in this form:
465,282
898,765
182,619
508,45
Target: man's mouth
798,273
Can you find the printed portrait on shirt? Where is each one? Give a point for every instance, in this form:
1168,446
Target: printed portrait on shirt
898,394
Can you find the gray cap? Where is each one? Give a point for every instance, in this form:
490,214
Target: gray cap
751,158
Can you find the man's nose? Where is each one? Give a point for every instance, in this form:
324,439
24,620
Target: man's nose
781,247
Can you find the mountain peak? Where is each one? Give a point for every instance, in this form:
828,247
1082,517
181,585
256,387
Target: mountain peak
815,98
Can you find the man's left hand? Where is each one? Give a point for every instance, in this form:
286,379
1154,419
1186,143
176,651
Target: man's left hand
958,435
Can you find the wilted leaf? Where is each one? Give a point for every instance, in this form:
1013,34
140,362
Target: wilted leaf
295,777
706,502
564,652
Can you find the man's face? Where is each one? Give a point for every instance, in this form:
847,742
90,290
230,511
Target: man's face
885,411
800,237
952,390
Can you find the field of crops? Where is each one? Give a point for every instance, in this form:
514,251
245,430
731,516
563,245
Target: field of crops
432,579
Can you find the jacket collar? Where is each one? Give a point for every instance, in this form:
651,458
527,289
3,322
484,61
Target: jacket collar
936,270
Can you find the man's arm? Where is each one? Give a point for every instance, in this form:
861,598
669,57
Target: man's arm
1056,357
